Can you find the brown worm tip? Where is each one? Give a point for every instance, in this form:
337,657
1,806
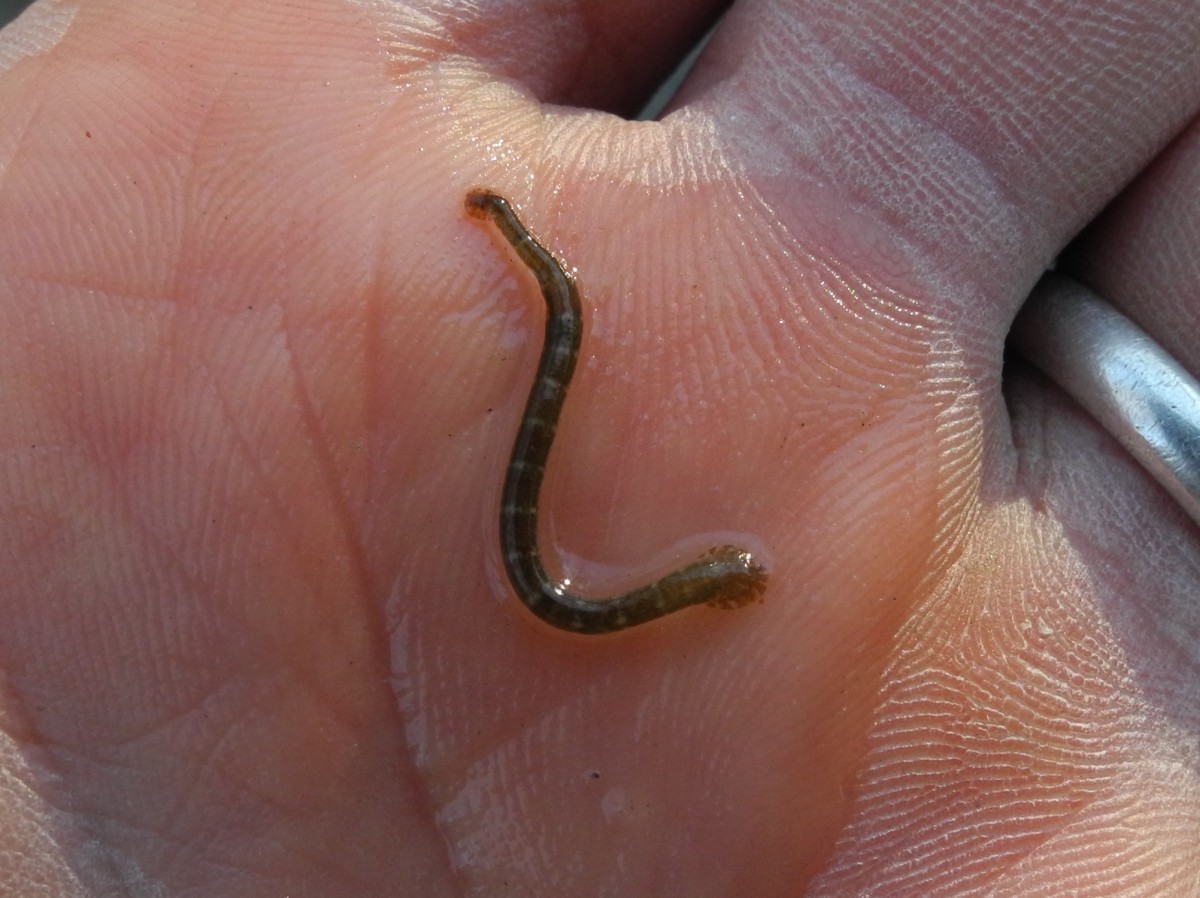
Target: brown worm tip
478,201
743,590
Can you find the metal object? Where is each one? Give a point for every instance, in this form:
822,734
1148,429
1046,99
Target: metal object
1136,390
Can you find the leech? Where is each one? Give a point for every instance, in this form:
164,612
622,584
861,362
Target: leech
723,577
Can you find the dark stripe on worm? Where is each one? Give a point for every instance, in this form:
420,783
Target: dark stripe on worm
723,577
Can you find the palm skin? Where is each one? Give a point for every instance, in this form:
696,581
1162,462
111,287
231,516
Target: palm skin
260,375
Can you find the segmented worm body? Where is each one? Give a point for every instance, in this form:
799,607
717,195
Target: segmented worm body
725,576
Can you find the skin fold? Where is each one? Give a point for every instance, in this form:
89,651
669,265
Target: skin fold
259,377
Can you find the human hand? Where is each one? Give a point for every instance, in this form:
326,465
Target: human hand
260,376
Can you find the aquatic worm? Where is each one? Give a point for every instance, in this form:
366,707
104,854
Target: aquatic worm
723,577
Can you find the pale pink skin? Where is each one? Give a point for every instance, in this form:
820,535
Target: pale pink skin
259,375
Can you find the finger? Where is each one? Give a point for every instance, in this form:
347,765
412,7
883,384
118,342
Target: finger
592,53
1140,254
982,135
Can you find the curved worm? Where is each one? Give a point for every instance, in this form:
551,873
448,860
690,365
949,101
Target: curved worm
724,577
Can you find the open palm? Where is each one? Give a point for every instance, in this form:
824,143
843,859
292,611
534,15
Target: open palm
259,377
